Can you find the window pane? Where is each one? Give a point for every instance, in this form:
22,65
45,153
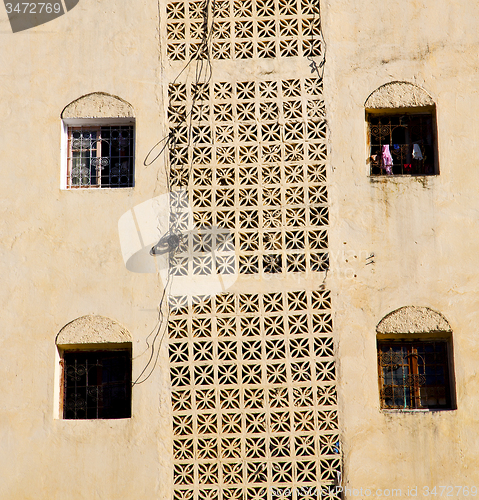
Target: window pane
97,384
402,144
101,156
413,374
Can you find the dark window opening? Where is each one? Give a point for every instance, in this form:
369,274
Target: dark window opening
402,144
97,384
414,374
100,157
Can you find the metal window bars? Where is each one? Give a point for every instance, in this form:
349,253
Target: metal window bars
410,139
97,384
413,375
100,157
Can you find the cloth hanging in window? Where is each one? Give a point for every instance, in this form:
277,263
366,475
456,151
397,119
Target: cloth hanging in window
416,152
386,160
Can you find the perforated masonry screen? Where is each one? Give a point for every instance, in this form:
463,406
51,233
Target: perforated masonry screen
253,164
410,140
97,384
100,157
253,374
414,374
243,29
254,396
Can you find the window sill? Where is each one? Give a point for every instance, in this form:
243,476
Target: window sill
94,419
415,410
406,179
97,188
399,176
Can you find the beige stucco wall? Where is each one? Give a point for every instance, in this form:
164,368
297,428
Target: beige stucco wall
421,232
61,258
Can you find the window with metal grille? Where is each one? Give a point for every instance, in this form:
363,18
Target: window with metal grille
97,384
414,374
402,144
100,157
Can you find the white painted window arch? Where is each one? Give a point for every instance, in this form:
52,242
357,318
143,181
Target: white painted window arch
98,141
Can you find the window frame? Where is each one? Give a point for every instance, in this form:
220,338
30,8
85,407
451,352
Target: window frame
388,340
92,123
403,111
108,350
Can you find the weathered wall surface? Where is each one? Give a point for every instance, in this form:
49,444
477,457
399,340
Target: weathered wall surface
420,230
61,258
98,105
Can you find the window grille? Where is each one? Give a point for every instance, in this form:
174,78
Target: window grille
100,157
414,374
410,139
97,384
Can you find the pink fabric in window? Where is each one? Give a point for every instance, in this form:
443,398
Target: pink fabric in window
386,159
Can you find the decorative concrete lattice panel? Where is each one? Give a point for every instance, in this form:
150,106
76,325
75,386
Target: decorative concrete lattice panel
251,156
243,29
252,374
254,396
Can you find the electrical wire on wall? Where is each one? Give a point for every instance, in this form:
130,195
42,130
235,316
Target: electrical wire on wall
170,241
203,70
318,68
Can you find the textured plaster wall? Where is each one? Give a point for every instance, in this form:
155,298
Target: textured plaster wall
419,233
98,105
415,320
398,95
93,330
61,257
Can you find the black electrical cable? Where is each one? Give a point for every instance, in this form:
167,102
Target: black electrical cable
170,241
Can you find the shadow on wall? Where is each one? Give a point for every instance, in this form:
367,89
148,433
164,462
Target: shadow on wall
23,16
161,236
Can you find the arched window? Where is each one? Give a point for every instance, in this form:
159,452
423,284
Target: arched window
98,143
95,356
401,121
415,360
